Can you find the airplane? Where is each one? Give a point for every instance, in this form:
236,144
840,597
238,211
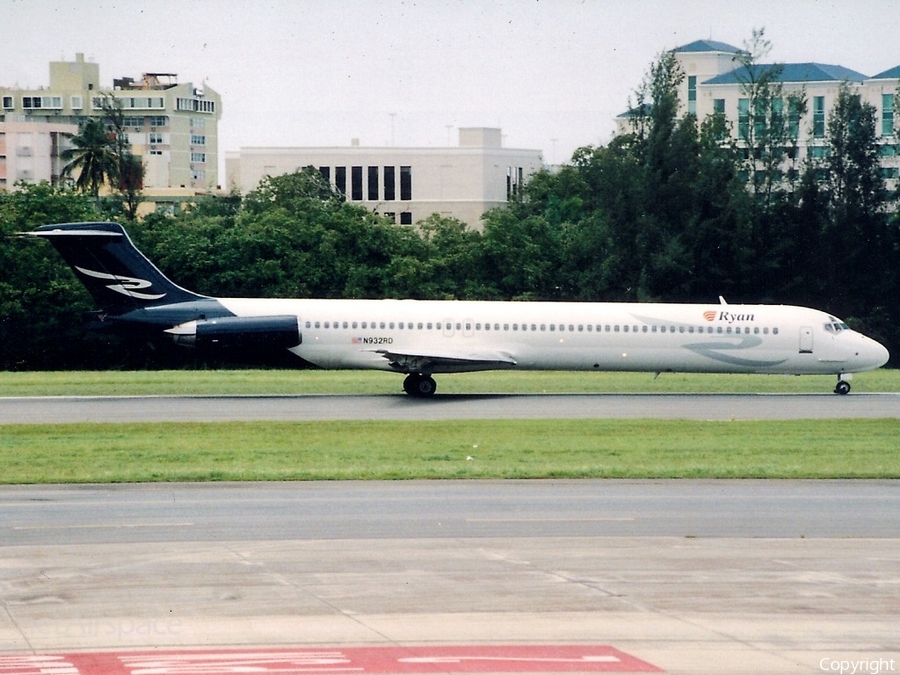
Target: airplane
422,338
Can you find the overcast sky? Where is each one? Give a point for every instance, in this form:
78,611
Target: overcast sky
553,74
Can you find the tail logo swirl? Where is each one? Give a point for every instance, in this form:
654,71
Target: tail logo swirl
129,286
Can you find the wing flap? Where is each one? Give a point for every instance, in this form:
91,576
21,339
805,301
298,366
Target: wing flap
429,363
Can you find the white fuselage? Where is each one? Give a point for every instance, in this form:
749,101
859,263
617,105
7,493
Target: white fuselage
456,336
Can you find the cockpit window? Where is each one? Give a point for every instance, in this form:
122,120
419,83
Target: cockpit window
835,325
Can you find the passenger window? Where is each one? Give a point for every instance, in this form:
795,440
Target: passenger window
381,325
617,328
317,324
506,326
775,331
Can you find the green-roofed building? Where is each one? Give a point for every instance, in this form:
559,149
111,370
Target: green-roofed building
716,83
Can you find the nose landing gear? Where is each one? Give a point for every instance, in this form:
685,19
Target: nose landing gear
843,387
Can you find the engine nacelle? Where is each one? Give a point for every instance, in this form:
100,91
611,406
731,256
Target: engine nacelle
249,333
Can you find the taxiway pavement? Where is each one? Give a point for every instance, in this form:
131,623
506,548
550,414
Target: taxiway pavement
690,576
38,410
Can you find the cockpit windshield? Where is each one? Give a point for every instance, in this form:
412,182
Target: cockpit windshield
835,325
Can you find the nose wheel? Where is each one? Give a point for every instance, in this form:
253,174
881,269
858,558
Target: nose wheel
421,386
843,387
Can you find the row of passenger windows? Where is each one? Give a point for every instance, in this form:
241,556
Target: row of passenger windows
533,327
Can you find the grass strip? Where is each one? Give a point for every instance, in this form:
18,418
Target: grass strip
272,382
369,450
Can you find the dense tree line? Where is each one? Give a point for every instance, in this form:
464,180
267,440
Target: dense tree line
674,211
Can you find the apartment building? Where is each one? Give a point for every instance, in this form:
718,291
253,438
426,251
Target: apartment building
172,126
30,151
716,83
406,184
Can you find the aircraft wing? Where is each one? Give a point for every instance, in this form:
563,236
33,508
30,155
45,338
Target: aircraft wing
446,362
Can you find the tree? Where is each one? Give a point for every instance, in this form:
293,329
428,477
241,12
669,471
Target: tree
858,237
129,174
93,155
769,123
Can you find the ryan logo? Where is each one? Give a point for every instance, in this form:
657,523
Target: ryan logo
129,286
727,317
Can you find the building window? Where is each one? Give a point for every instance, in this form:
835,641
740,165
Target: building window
373,184
155,139
77,103
198,140
405,186
794,118
340,179
692,94
199,157
390,193
744,118
158,121
887,114
818,116
326,173
719,106
406,218
356,183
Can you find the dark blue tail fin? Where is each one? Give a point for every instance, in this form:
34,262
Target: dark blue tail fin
115,273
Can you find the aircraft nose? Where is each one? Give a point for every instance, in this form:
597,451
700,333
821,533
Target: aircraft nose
873,354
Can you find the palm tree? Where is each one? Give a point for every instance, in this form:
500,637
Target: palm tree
94,154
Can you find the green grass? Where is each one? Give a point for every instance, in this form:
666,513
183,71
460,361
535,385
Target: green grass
102,453
184,382
105,453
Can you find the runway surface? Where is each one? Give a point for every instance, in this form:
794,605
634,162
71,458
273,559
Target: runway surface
686,576
38,410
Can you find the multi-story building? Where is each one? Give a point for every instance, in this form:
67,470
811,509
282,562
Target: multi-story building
406,184
715,82
172,127
30,151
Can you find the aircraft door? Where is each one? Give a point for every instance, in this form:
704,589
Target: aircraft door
806,340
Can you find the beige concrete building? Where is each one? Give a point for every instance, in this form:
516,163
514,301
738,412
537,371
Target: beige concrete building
714,83
29,151
172,126
407,184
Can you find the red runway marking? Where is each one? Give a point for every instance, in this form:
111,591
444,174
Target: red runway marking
349,660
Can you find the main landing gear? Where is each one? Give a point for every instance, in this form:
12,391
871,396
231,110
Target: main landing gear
843,387
420,386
